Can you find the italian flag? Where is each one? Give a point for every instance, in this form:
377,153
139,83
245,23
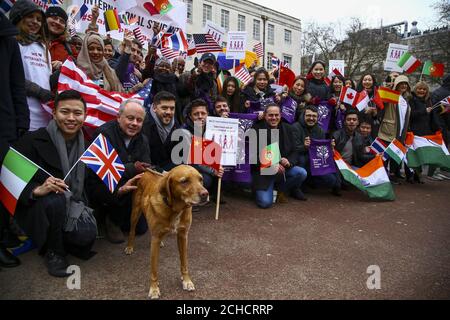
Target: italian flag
408,63
396,151
371,179
16,172
427,150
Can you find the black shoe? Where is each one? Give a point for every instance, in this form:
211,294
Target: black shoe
57,265
394,180
298,194
7,259
336,191
113,233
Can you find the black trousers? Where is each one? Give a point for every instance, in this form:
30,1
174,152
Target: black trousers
43,222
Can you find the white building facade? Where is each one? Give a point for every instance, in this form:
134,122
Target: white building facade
282,32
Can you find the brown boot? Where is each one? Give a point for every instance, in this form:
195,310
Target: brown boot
281,198
113,232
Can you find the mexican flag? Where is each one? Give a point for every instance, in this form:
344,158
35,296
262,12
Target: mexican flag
270,156
427,150
16,172
433,69
396,151
371,179
408,63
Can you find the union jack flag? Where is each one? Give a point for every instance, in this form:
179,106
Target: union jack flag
103,159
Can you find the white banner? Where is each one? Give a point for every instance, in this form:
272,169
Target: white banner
337,64
237,42
217,32
224,131
175,17
395,51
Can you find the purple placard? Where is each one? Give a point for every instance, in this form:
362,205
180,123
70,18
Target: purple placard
321,157
324,115
288,108
340,118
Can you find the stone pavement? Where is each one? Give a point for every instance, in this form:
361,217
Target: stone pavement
319,249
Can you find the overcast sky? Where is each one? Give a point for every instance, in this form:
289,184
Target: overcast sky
332,11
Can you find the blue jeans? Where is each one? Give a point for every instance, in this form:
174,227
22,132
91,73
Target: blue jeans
331,180
294,179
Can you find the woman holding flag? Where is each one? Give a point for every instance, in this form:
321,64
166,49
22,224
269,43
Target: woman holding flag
257,92
369,84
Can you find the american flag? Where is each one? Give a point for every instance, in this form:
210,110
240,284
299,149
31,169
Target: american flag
205,43
103,159
57,2
258,49
242,74
170,53
6,5
102,105
138,35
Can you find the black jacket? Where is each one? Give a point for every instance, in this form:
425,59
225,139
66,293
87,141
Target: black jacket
359,157
165,82
249,94
160,152
318,88
303,131
138,149
288,150
14,113
421,122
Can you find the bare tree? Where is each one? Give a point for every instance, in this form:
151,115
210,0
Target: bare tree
443,9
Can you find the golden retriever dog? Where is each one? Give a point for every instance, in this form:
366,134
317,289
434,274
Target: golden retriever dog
166,201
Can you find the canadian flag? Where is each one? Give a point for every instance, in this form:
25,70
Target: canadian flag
332,74
358,100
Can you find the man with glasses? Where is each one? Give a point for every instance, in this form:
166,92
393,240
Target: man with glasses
308,128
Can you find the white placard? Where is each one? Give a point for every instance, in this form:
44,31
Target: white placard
224,131
395,51
175,17
337,64
217,32
237,42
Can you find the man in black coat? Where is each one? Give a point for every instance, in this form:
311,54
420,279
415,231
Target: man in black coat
350,143
126,137
45,205
308,128
286,176
158,128
14,113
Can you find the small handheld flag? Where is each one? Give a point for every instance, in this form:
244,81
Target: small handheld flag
104,160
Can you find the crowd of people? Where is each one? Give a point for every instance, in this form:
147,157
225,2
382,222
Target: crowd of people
64,216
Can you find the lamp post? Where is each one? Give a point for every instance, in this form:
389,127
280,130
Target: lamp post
264,19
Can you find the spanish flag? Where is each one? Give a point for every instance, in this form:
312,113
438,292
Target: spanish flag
383,94
112,21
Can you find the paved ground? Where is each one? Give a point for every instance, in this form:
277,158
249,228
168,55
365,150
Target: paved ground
319,249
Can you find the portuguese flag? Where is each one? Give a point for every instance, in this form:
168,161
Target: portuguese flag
408,63
16,172
433,69
158,7
270,155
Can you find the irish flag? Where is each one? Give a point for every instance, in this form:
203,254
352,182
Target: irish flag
396,151
371,179
16,172
408,63
427,150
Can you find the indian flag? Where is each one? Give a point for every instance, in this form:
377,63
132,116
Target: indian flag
371,179
408,63
396,151
16,172
427,150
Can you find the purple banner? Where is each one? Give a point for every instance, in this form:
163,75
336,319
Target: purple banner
256,106
288,108
241,173
340,115
324,115
321,157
